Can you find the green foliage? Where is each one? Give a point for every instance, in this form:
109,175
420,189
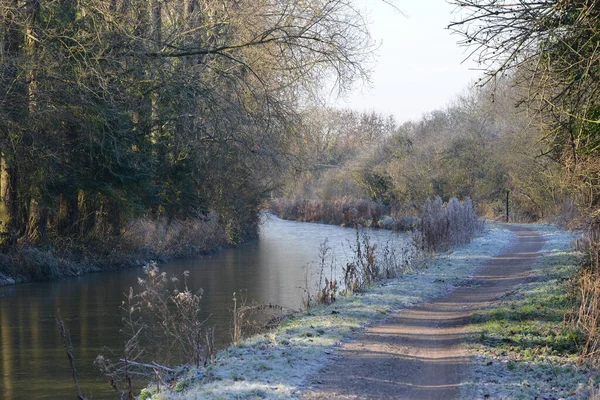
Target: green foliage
145,394
180,386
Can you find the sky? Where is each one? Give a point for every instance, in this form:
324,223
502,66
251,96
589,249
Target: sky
419,66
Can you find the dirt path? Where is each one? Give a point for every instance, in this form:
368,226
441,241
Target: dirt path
417,353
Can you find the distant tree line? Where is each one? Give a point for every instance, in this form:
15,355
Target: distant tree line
481,146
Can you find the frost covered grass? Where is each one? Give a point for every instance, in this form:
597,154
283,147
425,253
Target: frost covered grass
522,345
275,365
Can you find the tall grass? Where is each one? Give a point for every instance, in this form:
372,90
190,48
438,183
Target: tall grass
586,312
442,225
368,263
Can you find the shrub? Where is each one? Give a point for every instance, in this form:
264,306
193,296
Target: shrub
443,225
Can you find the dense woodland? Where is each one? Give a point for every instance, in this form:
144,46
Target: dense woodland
116,112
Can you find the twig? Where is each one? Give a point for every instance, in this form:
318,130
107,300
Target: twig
68,345
153,365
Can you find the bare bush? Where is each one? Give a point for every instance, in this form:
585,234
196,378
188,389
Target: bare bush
327,288
443,225
362,271
394,261
173,317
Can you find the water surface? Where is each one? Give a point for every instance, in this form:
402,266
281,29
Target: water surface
33,364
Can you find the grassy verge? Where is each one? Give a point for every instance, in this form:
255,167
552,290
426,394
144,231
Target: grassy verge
522,345
276,365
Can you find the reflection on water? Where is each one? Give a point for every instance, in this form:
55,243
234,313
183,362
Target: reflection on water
33,363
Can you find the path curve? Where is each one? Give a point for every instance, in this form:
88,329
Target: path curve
417,353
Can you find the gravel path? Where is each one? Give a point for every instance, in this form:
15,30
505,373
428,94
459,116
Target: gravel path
417,353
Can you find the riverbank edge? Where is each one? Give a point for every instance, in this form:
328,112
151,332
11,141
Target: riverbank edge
276,364
345,212
393,224
71,266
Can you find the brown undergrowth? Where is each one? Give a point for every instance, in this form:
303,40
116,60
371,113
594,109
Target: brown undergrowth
586,313
345,211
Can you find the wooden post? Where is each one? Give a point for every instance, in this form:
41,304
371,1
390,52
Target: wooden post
507,209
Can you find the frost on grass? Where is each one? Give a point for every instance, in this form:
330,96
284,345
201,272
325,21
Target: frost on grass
276,364
521,348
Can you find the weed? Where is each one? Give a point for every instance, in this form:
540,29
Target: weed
362,271
162,324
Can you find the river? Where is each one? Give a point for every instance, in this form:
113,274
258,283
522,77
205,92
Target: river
33,363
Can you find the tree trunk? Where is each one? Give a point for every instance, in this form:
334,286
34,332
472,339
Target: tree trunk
37,222
68,215
8,203
108,218
87,213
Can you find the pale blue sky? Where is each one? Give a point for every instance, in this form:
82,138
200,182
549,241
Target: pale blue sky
418,68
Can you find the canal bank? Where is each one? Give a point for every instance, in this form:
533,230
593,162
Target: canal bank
278,364
288,363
